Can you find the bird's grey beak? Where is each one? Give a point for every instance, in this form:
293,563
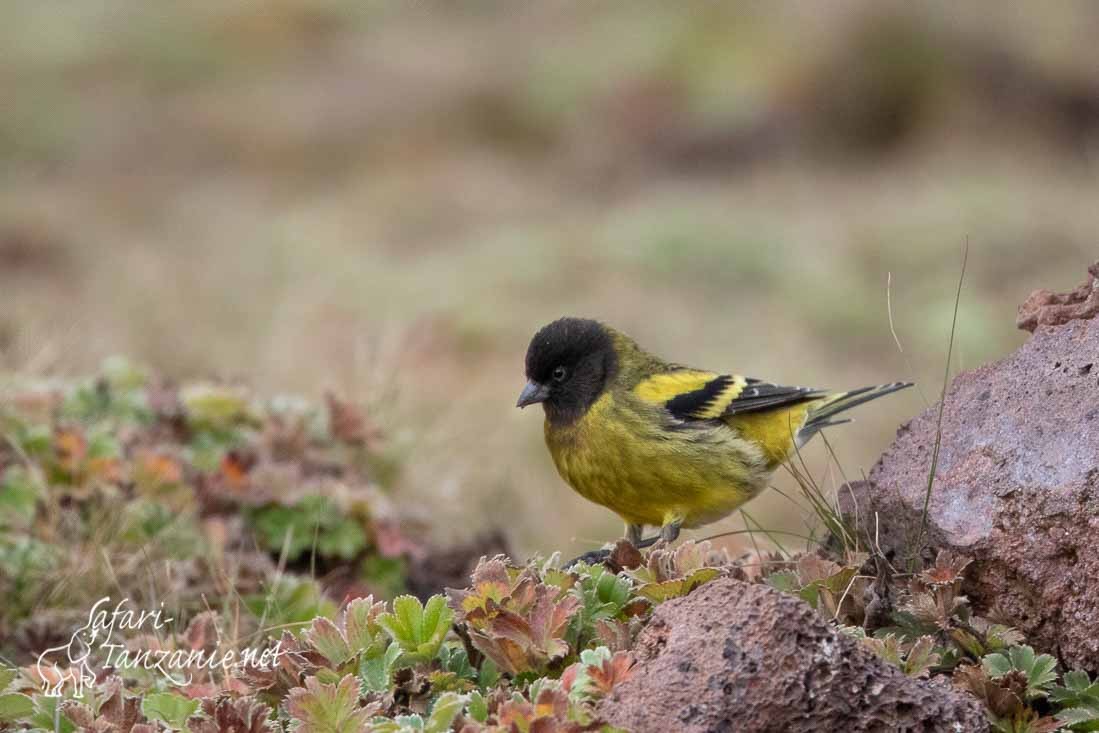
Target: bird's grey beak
532,393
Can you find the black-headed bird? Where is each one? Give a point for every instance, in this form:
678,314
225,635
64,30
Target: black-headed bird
661,444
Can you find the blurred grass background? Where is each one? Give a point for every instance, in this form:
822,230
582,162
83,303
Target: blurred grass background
388,198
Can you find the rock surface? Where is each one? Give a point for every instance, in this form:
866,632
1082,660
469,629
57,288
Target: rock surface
1046,308
1017,486
733,656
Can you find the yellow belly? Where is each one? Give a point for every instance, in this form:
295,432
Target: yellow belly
627,462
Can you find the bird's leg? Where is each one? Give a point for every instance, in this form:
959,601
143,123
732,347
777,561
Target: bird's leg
668,534
670,531
633,536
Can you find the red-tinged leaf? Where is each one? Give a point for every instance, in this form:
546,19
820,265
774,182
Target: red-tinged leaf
948,568
227,715
508,656
614,634
625,556
812,568
71,448
202,632
321,708
551,703
508,625
490,581
107,469
515,715
156,469
120,711
360,620
80,714
348,423
568,677
613,671
392,542
234,469
327,639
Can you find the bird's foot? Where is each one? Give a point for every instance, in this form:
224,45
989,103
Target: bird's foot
624,553
594,557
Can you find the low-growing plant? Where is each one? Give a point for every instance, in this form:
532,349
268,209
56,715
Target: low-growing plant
1078,699
419,629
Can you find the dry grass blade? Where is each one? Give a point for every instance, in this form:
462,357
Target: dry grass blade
897,339
918,546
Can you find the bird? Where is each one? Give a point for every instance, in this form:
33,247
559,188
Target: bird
661,444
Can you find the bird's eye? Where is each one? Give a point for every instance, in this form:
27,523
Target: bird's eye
560,373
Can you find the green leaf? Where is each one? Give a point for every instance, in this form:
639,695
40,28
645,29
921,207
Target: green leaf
888,647
1022,657
478,706
438,618
15,706
967,641
169,708
419,629
996,665
445,710
102,444
326,708
327,639
1039,670
215,408
660,592
345,539
1076,680
7,674
410,614
291,600
18,500
1081,718
48,717
364,635
376,672
785,581
1000,637
1078,690
455,659
488,675
386,574
314,518
401,724
921,658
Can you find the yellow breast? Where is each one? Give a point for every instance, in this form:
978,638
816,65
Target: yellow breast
621,454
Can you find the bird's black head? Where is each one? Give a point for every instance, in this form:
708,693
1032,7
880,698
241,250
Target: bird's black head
569,363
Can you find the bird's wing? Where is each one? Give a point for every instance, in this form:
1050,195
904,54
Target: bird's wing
689,394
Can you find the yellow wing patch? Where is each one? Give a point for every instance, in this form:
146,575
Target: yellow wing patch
692,394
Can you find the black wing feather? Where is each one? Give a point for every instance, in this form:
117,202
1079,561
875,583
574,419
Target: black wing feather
687,405
758,395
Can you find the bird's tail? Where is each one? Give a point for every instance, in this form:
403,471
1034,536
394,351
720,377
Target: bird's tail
821,413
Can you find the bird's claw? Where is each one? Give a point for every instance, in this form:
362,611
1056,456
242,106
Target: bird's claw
593,557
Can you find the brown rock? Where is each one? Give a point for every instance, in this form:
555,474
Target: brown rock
734,656
1017,488
1046,308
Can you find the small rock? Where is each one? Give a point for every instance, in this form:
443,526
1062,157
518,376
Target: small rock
1046,308
734,656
